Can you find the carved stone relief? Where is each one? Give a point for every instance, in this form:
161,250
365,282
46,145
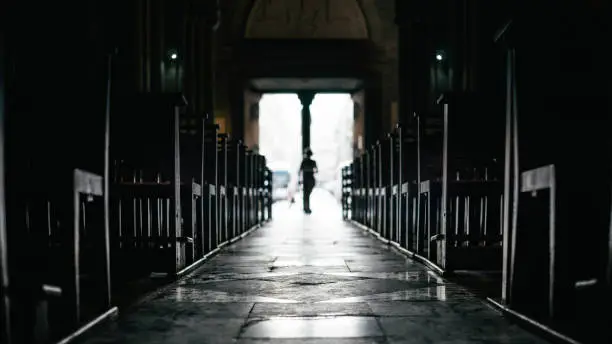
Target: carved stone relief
306,19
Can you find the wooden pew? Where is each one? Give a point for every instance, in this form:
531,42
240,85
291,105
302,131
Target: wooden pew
244,189
360,204
392,189
386,188
428,187
146,191
370,178
557,269
259,188
192,155
269,201
462,205
347,191
240,180
256,160
210,186
261,175
223,187
381,152
250,175
233,171
406,176
247,188
67,281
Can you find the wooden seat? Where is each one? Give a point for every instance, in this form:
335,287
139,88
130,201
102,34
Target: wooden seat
147,187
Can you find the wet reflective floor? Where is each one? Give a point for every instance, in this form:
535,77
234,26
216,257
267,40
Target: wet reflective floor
311,279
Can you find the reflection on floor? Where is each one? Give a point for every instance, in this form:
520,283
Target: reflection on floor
311,279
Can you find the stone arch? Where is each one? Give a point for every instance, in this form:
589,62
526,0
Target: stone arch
312,19
370,11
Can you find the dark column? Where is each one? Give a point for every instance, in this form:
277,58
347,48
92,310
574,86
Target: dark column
414,58
205,27
158,45
5,336
203,68
306,99
373,111
190,79
237,102
468,44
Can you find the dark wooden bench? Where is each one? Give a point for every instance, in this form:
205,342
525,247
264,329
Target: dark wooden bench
148,236
268,193
224,190
210,186
192,158
359,200
463,215
260,166
382,185
347,191
250,190
66,262
405,187
233,170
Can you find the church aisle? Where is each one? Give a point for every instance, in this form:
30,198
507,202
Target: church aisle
311,279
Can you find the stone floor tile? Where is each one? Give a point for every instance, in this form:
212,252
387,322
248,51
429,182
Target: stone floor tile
269,310
332,327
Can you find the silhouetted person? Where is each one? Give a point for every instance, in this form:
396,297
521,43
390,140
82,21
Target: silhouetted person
308,168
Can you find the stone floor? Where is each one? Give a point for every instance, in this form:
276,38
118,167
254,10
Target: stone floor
311,279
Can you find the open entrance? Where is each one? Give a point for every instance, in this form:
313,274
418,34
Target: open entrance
280,140
331,141
332,138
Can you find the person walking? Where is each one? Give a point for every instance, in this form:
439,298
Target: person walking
308,168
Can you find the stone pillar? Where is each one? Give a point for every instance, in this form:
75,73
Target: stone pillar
306,98
373,129
237,101
251,118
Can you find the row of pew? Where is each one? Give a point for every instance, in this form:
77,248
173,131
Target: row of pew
177,191
180,189
515,221
435,194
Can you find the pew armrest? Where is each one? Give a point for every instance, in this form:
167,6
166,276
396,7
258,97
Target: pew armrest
437,237
586,284
187,240
52,290
157,240
196,189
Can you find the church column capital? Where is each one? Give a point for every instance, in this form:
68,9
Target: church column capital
306,97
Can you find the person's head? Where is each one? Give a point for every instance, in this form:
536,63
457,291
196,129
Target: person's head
307,152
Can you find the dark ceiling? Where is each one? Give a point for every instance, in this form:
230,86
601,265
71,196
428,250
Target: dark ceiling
300,84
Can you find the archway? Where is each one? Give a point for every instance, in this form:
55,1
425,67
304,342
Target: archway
313,19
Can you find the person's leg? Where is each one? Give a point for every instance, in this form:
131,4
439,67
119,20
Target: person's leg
305,197
307,193
308,187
